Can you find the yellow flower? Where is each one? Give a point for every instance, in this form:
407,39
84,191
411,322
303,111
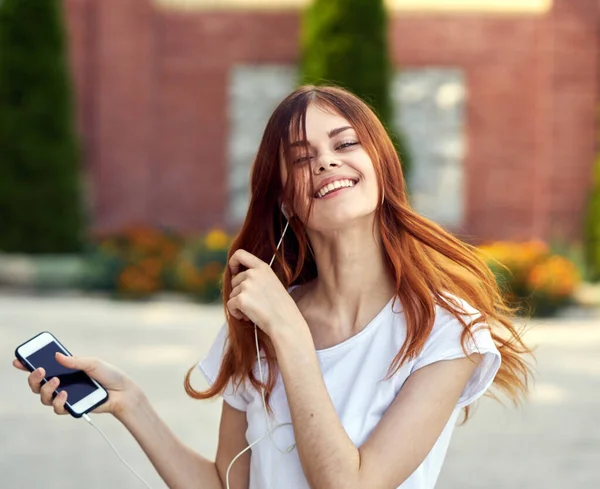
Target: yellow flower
216,240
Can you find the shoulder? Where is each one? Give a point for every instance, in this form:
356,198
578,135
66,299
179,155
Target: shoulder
456,317
458,331
452,338
211,363
210,367
453,305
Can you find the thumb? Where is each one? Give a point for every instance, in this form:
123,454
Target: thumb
88,365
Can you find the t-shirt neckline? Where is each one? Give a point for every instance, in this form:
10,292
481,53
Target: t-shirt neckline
354,338
349,341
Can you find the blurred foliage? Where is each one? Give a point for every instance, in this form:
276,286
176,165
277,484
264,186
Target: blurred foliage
133,263
199,268
40,195
345,42
592,227
141,261
138,262
533,279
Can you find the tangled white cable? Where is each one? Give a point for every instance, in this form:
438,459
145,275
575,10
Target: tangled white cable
271,427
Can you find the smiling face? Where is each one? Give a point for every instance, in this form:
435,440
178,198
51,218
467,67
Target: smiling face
344,184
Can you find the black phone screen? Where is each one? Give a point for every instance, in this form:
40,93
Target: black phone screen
77,384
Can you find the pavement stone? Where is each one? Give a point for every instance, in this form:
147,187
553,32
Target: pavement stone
552,442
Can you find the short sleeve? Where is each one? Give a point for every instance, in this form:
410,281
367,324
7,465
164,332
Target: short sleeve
210,366
444,343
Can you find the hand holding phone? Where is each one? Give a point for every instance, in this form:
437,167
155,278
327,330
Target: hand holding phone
88,384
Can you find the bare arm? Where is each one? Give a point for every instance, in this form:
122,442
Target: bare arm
400,441
329,458
232,440
178,465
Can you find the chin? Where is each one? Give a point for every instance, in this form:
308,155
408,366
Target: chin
343,218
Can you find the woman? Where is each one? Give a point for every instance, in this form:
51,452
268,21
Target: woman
375,327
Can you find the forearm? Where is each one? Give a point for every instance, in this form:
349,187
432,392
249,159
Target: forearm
178,465
329,457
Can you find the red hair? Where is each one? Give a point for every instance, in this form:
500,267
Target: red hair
427,263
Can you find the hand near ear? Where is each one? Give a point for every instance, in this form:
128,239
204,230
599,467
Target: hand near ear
258,295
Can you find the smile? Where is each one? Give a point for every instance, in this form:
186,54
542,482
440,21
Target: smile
334,186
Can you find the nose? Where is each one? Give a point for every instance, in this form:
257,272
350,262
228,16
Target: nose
325,162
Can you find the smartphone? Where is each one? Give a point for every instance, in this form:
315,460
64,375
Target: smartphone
84,393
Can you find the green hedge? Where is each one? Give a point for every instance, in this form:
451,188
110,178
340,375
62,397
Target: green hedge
40,207
344,42
592,228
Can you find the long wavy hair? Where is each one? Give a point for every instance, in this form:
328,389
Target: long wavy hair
429,264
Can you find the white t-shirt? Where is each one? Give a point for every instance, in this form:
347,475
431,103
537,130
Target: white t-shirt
354,373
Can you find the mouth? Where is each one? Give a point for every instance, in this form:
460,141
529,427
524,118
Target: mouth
335,188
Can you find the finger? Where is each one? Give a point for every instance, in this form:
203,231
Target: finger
59,403
19,365
88,365
47,390
236,313
35,379
233,305
235,292
242,258
239,278
242,317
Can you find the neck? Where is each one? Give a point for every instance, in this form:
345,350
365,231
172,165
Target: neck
352,272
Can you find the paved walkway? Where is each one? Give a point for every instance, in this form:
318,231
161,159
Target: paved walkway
552,443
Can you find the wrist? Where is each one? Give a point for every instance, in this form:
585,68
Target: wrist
294,334
131,400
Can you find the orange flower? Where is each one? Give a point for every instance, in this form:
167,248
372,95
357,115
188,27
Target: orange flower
152,266
213,271
134,280
556,276
169,251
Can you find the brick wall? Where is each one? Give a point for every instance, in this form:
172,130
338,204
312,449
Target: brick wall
152,92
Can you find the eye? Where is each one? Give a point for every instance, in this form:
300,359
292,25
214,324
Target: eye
302,159
347,144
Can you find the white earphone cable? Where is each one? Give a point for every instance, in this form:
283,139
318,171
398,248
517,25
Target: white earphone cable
87,418
271,428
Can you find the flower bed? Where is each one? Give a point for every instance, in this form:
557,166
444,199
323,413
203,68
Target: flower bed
133,263
138,262
199,268
536,281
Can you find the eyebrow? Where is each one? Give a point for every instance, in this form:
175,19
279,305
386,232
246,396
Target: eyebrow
330,134
335,132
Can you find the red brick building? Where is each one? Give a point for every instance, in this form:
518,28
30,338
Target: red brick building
152,107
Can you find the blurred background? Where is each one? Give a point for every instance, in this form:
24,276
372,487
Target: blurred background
127,134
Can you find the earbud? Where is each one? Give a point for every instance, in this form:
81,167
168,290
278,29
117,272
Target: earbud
284,211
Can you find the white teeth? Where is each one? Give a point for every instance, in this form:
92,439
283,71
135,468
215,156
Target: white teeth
333,186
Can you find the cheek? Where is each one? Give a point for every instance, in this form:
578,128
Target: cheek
370,179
